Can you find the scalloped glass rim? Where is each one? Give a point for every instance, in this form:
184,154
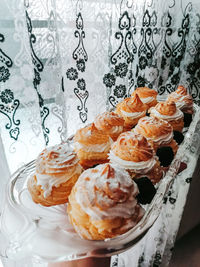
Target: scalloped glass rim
84,248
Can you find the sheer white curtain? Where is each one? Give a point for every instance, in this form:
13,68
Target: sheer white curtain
63,62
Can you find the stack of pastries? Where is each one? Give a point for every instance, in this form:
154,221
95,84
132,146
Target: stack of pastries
102,177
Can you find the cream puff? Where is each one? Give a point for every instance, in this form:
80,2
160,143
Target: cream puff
92,146
131,109
147,96
158,132
57,170
132,152
103,203
184,102
169,112
110,123
182,99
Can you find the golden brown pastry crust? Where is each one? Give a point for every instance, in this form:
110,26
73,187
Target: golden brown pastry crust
90,135
132,147
59,195
154,129
131,105
168,108
177,125
110,123
105,226
90,159
145,92
86,137
57,170
183,99
82,223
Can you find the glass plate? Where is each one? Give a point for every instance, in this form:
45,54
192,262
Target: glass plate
45,233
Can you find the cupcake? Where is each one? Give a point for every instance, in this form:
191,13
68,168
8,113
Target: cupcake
131,109
169,112
147,96
57,170
132,152
184,102
92,146
110,123
103,203
158,132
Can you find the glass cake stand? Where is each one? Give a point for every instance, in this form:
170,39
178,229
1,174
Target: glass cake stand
44,233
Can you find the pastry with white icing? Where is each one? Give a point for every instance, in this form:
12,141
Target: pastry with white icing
131,109
132,152
169,112
57,170
110,123
103,203
92,146
148,96
158,132
182,99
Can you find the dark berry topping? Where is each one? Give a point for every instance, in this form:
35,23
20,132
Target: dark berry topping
187,119
178,137
165,155
146,189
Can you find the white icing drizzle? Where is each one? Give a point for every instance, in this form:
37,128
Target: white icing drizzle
105,147
177,115
147,100
138,167
87,197
133,114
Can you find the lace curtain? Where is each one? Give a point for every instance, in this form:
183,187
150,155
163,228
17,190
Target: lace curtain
63,62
